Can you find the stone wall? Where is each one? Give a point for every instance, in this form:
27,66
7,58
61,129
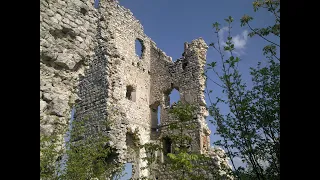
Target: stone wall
67,43
88,59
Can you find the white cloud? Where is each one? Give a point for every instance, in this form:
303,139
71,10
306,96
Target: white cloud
222,35
239,40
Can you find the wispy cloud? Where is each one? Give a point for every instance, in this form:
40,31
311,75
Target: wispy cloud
222,36
239,40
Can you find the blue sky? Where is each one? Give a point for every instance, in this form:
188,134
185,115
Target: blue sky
170,23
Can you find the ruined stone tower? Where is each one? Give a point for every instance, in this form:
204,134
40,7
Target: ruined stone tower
87,58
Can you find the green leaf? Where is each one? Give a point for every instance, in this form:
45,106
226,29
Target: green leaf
216,25
226,48
230,19
245,19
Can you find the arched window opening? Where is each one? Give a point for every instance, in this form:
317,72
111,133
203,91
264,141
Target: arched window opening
155,116
139,47
172,97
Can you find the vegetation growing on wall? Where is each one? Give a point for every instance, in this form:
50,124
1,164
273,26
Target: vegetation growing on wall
87,155
49,153
183,162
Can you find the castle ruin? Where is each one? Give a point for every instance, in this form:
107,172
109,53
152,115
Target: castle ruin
87,58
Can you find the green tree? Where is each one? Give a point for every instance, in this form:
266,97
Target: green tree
50,152
151,158
251,129
183,162
88,155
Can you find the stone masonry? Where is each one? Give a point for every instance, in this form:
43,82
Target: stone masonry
88,61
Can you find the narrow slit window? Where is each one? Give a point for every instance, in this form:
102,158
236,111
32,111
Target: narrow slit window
155,117
167,146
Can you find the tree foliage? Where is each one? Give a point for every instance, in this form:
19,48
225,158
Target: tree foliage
251,129
50,151
86,156
183,162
